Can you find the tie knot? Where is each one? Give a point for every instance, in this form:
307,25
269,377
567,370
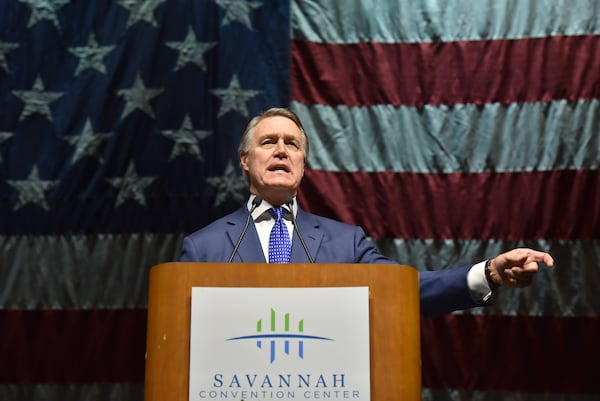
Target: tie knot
276,212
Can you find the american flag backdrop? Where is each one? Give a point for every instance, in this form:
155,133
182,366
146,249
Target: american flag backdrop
450,130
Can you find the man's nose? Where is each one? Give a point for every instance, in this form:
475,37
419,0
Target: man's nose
280,147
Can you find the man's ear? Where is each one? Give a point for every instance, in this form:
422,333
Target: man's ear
244,161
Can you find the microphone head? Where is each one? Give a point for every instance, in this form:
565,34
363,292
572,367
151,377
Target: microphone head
257,201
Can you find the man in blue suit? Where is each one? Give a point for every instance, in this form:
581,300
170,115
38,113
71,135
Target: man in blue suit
273,153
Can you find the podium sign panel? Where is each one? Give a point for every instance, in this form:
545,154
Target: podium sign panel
279,343
394,319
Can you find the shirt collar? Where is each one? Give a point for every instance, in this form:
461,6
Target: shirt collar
265,206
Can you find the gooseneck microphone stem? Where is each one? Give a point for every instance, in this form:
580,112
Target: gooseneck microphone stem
255,203
289,201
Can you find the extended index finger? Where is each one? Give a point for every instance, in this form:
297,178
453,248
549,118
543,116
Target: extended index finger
544,257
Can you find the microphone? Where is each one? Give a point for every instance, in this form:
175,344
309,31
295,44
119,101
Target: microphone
289,201
255,203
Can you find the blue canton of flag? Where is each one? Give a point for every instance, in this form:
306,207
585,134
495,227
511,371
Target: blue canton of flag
119,126
123,116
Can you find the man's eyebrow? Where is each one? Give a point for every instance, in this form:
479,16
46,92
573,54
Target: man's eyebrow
277,134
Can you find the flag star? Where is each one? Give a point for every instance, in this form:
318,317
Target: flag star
141,10
187,139
37,100
91,55
6,47
229,185
138,97
32,190
131,186
234,97
3,137
87,143
238,10
191,51
44,10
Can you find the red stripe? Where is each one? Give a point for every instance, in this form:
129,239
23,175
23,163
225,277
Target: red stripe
518,354
416,74
74,346
459,351
507,206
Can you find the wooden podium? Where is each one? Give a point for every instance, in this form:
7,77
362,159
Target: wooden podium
393,313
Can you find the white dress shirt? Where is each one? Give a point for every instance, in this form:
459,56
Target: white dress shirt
264,222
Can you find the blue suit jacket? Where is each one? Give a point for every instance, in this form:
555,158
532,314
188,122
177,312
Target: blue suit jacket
328,241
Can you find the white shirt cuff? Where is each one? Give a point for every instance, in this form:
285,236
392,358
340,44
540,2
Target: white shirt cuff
477,282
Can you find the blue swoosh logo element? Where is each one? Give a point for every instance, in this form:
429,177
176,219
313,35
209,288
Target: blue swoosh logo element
280,336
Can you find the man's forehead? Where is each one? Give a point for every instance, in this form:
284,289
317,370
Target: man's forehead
277,125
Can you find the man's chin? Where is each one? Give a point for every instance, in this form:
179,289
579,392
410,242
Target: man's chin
282,184
279,189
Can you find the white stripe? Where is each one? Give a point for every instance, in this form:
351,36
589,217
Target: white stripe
74,392
81,272
570,289
558,135
356,21
111,271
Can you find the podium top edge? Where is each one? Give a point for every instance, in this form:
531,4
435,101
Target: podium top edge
221,265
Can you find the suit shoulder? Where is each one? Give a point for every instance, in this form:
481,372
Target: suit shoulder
218,226
329,224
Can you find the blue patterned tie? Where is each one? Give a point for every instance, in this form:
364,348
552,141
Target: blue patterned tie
280,246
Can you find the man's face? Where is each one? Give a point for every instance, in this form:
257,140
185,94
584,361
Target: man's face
275,159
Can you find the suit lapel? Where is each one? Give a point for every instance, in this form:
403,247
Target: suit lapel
309,227
250,249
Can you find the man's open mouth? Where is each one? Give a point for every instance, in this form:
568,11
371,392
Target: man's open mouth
279,168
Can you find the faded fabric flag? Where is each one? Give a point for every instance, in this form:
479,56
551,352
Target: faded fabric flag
449,130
